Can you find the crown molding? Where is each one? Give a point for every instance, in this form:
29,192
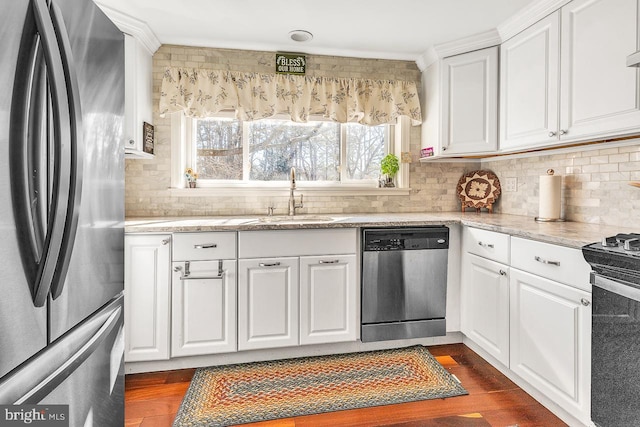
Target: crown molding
134,27
528,16
427,58
456,47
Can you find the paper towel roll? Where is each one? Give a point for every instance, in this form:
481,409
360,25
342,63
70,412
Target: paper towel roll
550,194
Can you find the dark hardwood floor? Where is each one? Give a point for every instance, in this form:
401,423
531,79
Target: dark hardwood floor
152,400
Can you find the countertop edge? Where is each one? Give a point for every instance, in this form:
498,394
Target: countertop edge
570,234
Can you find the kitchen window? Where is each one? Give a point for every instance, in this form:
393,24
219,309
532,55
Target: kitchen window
226,152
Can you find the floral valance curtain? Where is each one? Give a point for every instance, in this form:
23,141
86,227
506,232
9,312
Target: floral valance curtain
202,93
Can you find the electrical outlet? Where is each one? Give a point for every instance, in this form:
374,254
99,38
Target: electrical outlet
510,184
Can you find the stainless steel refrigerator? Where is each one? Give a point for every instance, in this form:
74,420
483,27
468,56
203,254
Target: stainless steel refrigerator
61,209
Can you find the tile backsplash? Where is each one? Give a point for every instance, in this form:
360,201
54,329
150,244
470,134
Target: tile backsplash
595,184
595,181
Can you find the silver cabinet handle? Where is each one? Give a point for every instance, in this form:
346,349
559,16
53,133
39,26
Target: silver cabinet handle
165,241
503,273
486,245
552,134
544,261
563,131
271,264
187,272
205,246
335,261
585,302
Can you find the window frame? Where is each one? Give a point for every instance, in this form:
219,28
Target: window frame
184,156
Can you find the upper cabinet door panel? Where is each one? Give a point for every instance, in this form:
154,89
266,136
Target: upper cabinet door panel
529,69
469,102
599,92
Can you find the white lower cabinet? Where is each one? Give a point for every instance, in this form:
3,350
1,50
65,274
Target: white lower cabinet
203,311
328,299
147,291
485,306
268,303
550,339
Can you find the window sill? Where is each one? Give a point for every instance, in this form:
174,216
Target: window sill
280,191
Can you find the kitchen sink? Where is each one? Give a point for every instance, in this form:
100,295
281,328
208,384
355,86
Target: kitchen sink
295,219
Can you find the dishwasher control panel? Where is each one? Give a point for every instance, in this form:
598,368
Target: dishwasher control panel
405,239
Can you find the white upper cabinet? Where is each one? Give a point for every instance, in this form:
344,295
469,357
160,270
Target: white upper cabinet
461,104
470,102
599,94
565,78
138,105
529,74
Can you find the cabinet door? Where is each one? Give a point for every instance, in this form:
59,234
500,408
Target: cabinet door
138,106
268,302
529,70
146,304
203,308
328,306
551,339
470,102
485,305
599,93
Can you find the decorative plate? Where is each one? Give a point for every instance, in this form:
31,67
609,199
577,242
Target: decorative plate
478,189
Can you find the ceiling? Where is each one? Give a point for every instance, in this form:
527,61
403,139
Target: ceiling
398,29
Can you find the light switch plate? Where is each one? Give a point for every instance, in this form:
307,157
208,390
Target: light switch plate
510,184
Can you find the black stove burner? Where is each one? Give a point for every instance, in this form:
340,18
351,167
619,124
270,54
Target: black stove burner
616,257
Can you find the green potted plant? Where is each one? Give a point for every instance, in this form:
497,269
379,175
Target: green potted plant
389,167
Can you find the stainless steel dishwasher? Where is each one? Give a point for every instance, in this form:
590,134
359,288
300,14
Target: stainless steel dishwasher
404,282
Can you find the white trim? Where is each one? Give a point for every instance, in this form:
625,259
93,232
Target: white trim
402,141
428,57
178,154
132,26
467,44
284,191
528,16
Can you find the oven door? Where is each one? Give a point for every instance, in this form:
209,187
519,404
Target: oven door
615,353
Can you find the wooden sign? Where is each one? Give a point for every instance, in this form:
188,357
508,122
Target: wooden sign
291,63
147,138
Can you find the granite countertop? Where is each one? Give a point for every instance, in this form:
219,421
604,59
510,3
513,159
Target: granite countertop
572,234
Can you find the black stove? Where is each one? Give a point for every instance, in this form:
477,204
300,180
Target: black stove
616,257
615,330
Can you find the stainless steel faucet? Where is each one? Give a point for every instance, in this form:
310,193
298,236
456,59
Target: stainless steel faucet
292,199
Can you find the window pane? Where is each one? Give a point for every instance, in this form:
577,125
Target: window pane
365,150
277,145
218,148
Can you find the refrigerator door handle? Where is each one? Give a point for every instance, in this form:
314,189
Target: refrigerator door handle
77,154
62,221
35,379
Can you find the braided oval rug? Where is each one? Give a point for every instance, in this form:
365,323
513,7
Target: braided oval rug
250,392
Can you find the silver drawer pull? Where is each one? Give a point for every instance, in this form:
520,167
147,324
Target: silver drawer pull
544,261
585,302
335,261
205,246
503,273
486,245
271,264
165,241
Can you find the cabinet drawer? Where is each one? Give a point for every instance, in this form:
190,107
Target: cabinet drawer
559,263
204,246
487,244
